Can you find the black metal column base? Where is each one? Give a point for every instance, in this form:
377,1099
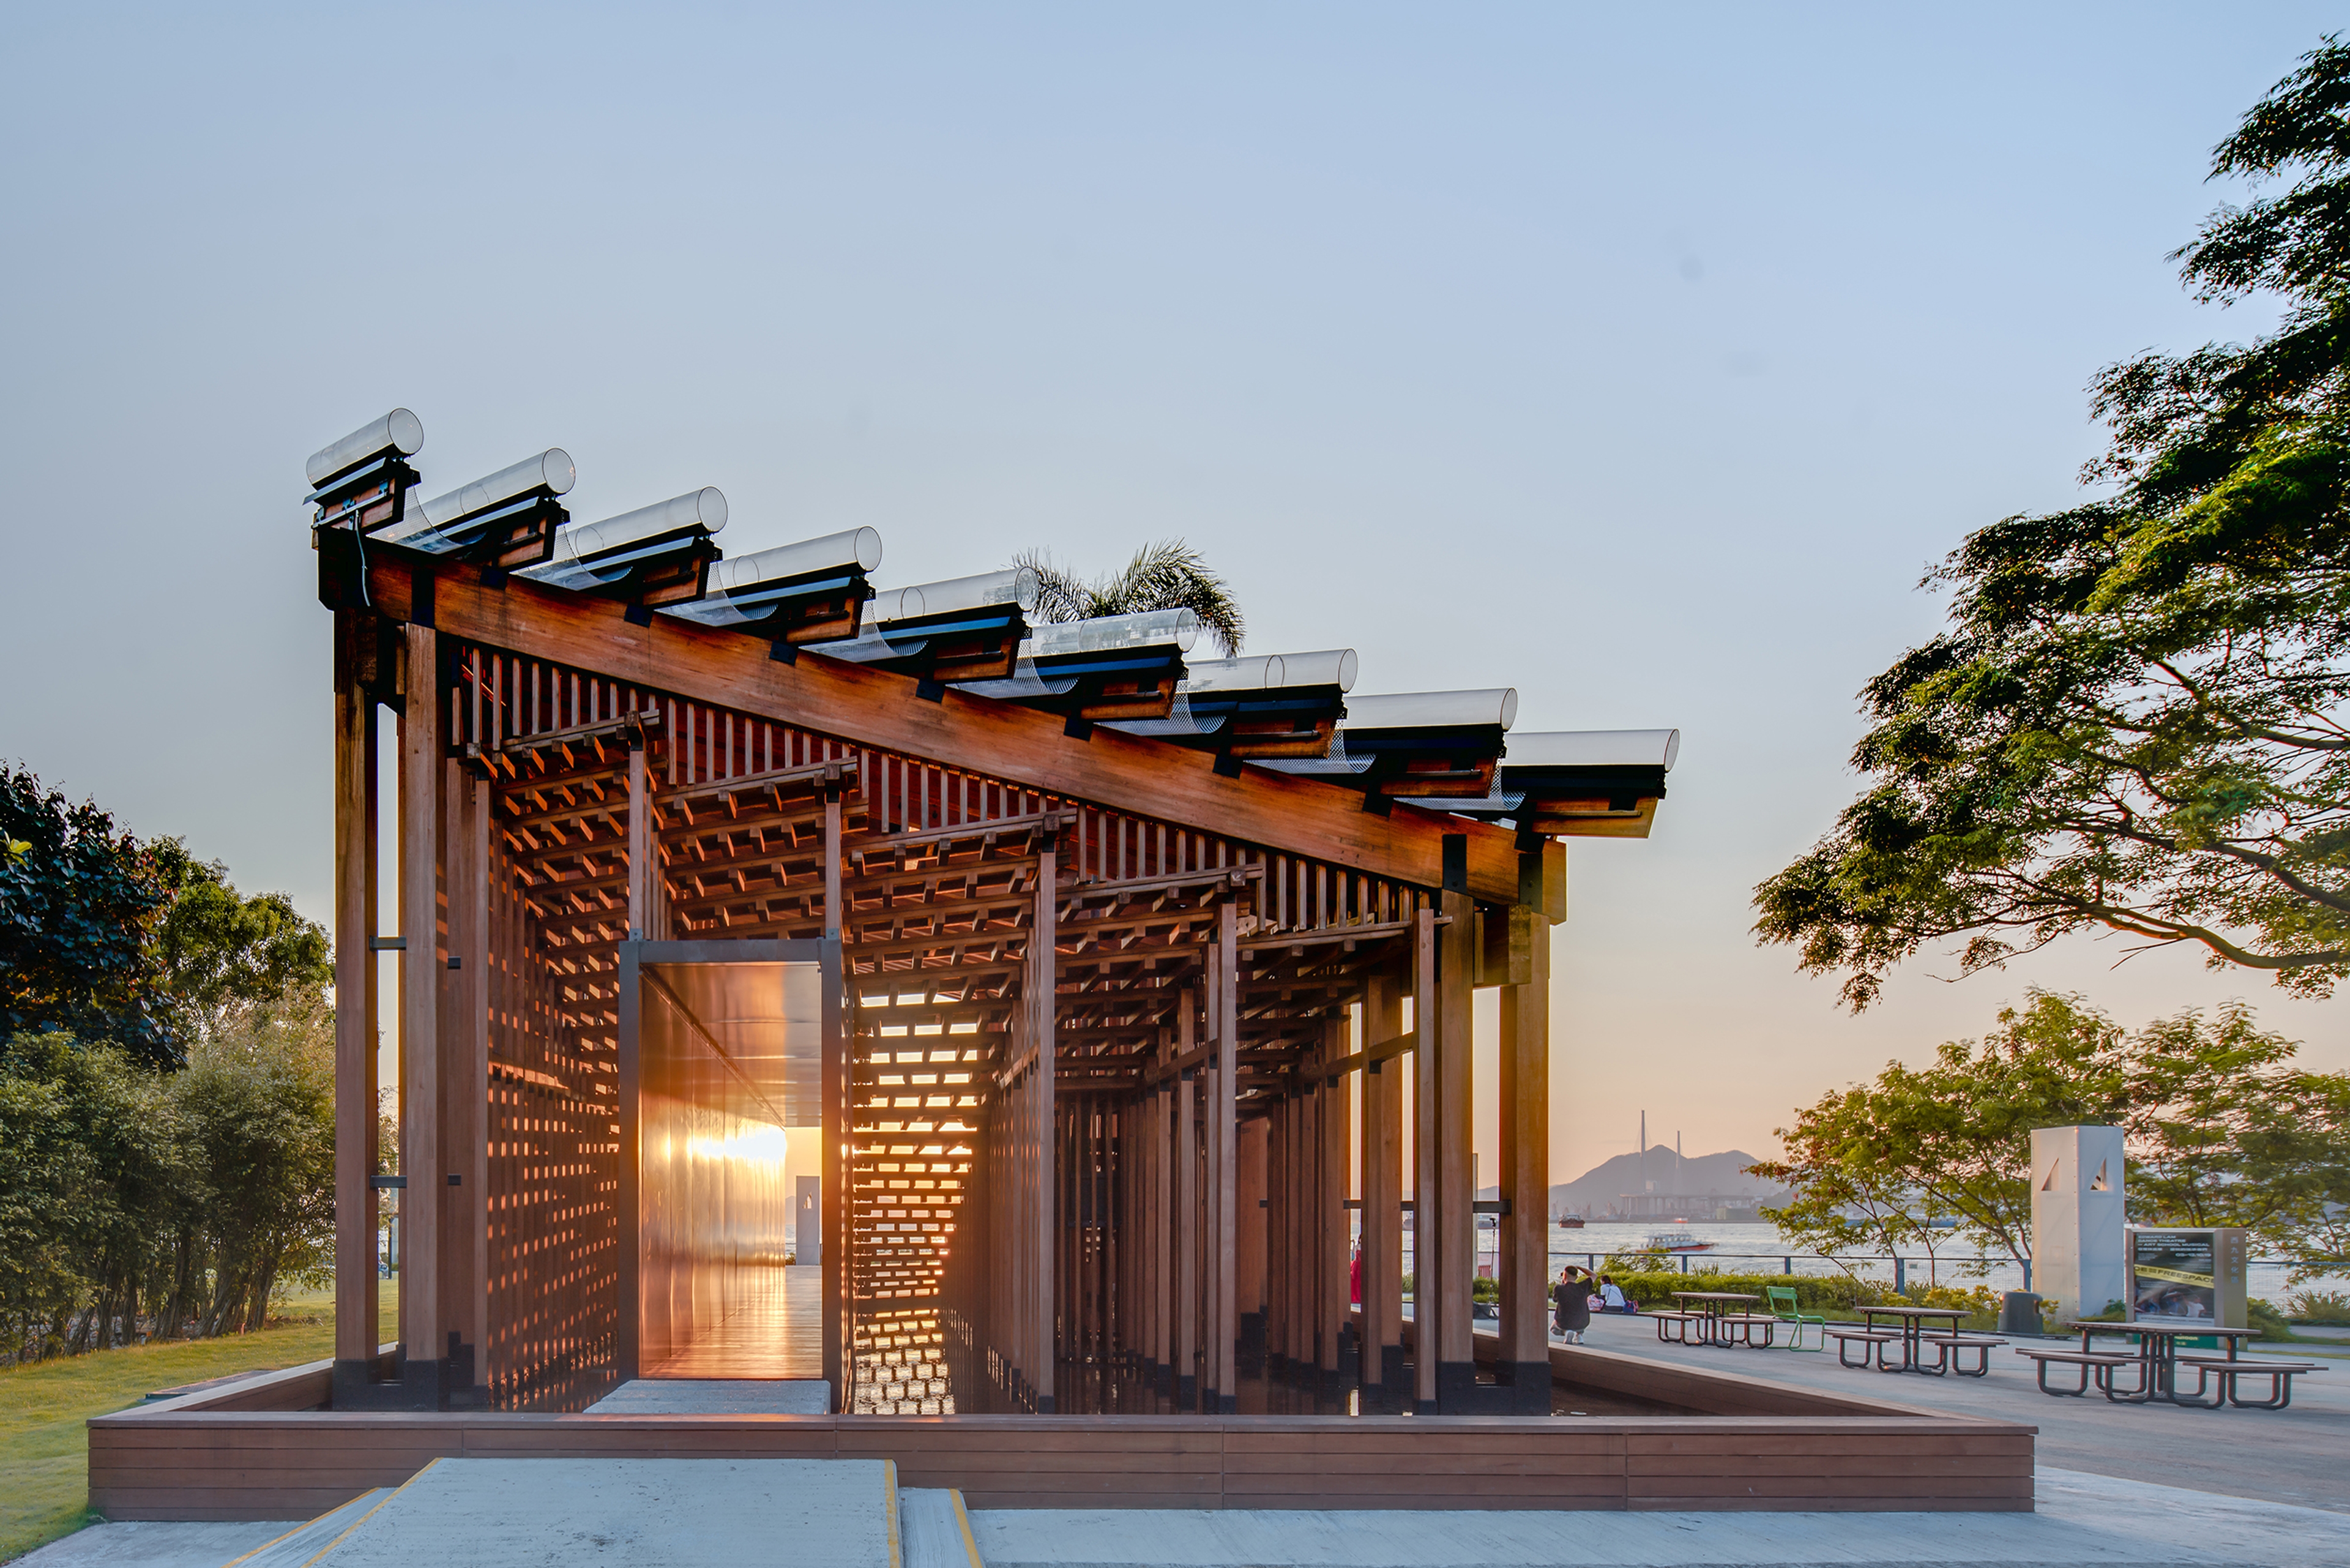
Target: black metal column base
422,1384
1458,1392
1392,1374
1227,1404
1527,1384
1043,1404
356,1386
1187,1391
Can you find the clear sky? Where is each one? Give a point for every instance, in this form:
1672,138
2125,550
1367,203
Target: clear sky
1637,357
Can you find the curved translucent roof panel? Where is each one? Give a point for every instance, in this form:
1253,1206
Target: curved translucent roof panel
425,527
1007,588
1594,749
398,433
700,511
1024,685
868,647
1180,725
745,589
1337,765
1491,706
1108,634
850,550
1270,671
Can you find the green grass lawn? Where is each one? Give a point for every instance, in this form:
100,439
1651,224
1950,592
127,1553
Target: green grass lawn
44,1448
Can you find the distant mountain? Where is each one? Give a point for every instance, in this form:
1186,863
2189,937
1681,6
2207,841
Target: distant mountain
1723,1175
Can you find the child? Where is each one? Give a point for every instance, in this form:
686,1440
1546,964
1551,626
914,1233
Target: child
1611,1297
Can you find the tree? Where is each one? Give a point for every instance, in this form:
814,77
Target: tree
1168,574
218,948
1872,1164
2136,718
258,1099
78,903
2220,1128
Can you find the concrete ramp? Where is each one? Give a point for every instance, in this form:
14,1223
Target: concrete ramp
934,1531
645,1513
298,1545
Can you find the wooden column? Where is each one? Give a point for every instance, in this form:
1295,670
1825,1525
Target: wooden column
1456,969
1524,1177
1427,1133
463,1031
1337,1121
640,856
1162,1229
1187,1223
1043,934
1223,1126
1383,1201
422,1326
1253,1252
357,1322
835,1165
1278,1259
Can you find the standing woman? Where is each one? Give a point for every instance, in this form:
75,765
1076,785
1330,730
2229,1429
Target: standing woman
1571,1303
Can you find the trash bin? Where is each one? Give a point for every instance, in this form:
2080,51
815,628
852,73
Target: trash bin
2019,1312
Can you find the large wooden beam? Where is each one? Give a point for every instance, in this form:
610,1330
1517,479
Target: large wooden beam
1223,1126
461,1036
355,1326
1524,1179
1427,1134
873,707
1383,1204
1041,977
1456,968
421,971
1187,1224
1335,1124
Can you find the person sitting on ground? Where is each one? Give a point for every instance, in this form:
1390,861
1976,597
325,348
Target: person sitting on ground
1571,1303
1612,1297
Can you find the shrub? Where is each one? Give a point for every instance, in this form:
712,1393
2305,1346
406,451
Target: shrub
1819,1295
2328,1307
2264,1318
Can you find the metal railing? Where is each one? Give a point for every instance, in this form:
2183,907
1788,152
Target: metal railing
1974,1268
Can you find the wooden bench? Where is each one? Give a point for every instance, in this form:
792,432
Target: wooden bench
1955,1345
2229,1374
2092,1363
1873,1341
1681,1319
1747,1322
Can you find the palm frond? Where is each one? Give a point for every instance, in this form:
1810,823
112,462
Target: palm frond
1061,594
1168,575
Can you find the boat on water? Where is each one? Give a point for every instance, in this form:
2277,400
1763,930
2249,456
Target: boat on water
1570,1221
1675,1242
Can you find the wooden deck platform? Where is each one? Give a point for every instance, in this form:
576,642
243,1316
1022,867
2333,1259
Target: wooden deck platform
265,1449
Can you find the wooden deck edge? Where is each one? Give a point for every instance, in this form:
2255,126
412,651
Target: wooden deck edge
210,1462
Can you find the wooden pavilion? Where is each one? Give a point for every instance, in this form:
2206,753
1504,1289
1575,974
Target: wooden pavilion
1102,958
1125,991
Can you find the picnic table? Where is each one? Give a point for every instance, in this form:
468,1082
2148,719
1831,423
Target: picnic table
1713,1323
2158,1361
1910,1333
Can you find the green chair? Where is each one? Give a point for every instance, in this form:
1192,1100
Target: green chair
1782,1307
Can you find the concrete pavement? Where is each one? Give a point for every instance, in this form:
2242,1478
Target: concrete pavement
2300,1455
